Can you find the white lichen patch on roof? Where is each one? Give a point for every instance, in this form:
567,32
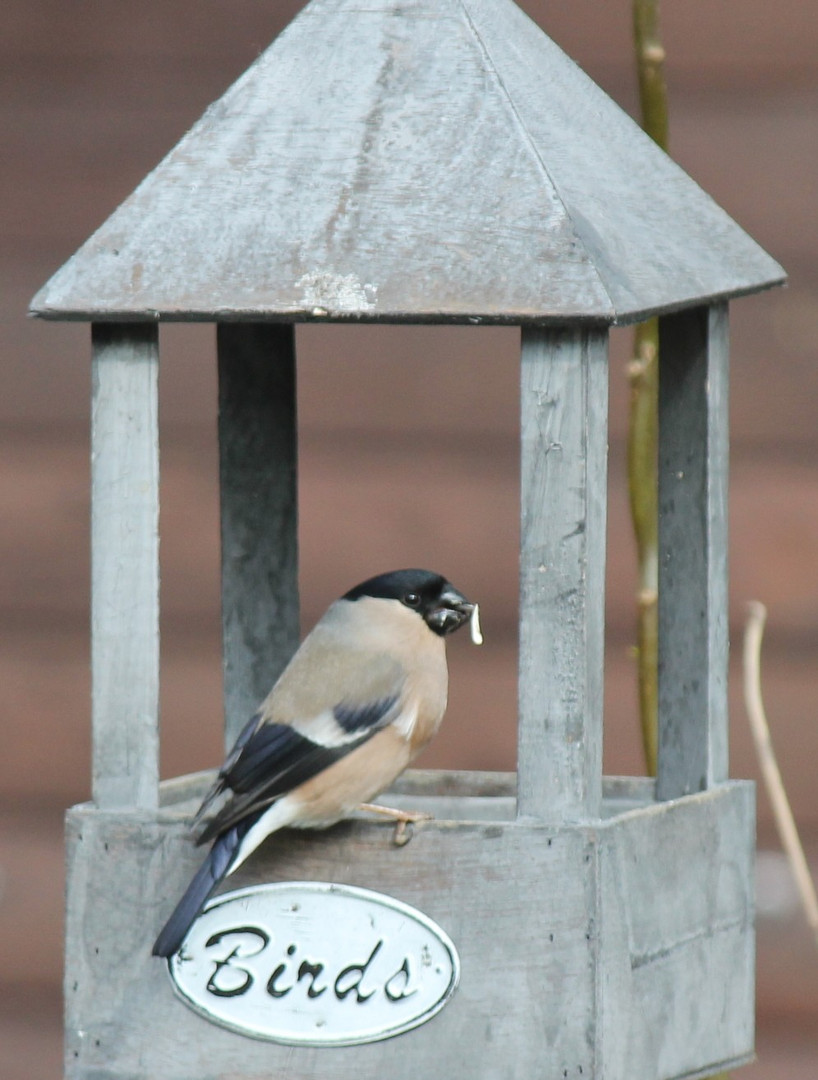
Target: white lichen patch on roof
336,293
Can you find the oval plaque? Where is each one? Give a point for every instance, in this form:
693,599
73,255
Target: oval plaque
315,964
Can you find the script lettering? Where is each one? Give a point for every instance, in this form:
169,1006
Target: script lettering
391,986
232,977
222,981
280,991
313,970
356,984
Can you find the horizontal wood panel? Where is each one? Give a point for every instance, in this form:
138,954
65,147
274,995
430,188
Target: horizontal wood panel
481,882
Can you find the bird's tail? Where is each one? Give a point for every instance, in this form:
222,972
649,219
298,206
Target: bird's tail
210,873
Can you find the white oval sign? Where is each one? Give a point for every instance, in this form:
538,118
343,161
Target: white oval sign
315,964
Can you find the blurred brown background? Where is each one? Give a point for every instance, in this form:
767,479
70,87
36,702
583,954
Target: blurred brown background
408,445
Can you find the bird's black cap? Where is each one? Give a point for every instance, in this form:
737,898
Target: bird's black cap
395,584
435,599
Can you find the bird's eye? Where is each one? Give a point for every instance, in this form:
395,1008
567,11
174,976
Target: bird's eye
412,599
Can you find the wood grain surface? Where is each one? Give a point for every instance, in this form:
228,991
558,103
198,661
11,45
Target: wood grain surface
417,160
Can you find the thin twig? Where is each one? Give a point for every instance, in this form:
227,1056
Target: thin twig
784,820
643,375
642,435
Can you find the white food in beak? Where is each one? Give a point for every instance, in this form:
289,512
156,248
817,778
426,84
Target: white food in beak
474,625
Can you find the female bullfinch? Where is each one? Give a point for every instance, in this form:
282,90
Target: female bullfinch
361,697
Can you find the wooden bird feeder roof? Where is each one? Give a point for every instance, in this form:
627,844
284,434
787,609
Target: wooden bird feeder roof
415,161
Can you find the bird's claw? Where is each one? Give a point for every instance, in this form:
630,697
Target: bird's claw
404,830
403,833
403,819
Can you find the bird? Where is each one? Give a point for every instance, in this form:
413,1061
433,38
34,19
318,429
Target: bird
362,696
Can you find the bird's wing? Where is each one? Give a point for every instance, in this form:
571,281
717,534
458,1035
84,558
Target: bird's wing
209,875
317,713
219,784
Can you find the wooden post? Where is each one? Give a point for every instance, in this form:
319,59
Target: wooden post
259,517
125,566
693,630
564,423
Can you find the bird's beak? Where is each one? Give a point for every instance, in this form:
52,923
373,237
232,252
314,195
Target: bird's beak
451,613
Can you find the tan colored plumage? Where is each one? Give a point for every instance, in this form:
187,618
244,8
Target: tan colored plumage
360,651
357,778
393,651
360,699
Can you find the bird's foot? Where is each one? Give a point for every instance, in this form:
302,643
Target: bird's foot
403,819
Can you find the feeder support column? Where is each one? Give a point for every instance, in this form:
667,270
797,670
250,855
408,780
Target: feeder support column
693,629
259,515
125,565
564,432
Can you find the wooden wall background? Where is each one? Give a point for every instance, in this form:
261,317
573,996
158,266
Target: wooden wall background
409,443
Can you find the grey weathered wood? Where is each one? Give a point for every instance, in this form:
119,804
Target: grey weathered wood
460,787
677,953
581,947
125,566
693,629
460,167
564,423
259,512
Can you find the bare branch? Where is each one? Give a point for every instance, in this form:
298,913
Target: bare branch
782,812
643,375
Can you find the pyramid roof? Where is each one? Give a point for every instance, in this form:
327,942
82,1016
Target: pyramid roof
411,160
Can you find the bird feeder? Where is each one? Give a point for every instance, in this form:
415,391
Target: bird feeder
424,161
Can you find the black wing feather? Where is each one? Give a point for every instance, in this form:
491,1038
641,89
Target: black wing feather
273,750
204,883
360,717
276,758
231,759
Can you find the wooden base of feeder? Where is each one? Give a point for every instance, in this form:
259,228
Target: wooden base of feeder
626,941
